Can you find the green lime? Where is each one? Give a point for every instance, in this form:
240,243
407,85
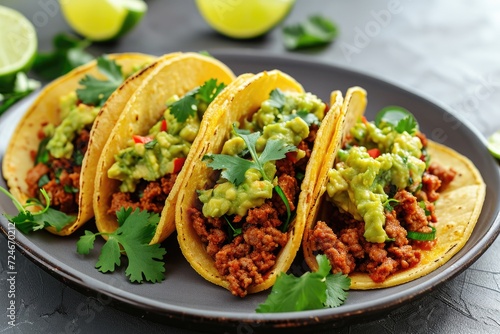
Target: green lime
244,18
102,20
18,44
494,144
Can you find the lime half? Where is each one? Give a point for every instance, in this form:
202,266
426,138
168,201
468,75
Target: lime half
102,20
494,144
244,18
18,46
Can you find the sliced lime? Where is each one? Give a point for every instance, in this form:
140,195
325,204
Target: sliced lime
101,20
244,19
494,144
18,44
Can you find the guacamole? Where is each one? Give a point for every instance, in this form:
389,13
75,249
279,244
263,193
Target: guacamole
152,156
359,181
76,116
278,119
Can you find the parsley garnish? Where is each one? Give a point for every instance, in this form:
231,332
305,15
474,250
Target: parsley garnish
312,290
27,221
188,104
96,92
315,31
135,231
277,99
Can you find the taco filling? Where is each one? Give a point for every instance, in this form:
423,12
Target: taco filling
148,167
383,188
58,161
243,217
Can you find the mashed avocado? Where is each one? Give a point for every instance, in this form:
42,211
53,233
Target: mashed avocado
75,118
358,182
275,120
153,156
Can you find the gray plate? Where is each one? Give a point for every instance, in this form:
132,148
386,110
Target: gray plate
187,300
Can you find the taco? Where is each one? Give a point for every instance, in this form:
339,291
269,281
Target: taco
57,143
391,206
141,163
240,213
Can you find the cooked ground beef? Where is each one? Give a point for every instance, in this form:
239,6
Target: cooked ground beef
60,177
149,196
341,238
246,259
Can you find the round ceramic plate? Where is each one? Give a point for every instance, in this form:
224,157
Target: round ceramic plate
185,299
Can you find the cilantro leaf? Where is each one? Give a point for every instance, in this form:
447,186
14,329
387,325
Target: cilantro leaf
85,243
135,231
95,91
69,52
399,118
233,168
277,99
336,289
27,221
209,90
275,150
23,86
315,31
408,124
312,290
183,108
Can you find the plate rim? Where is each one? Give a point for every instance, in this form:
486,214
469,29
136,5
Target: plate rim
180,314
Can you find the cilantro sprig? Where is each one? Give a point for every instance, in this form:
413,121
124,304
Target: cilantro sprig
312,290
96,92
399,118
315,31
188,104
135,231
234,167
27,221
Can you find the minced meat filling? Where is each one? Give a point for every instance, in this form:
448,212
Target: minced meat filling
60,177
246,258
341,238
149,195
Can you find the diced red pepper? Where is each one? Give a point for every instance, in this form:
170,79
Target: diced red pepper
178,163
141,139
292,156
163,125
364,120
374,152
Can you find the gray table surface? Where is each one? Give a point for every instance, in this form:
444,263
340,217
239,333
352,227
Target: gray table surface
448,50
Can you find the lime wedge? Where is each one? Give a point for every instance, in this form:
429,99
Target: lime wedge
244,18
18,46
494,144
102,20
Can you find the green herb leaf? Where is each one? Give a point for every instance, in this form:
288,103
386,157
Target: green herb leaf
282,195
277,99
209,90
27,221
69,52
184,107
399,118
70,189
135,231
235,231
390,204
151,144
312,290
233,168
43,180
23,86
85,243
315,31
95,91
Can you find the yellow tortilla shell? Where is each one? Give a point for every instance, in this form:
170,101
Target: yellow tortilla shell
245,99
45,109
166,77
457,209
